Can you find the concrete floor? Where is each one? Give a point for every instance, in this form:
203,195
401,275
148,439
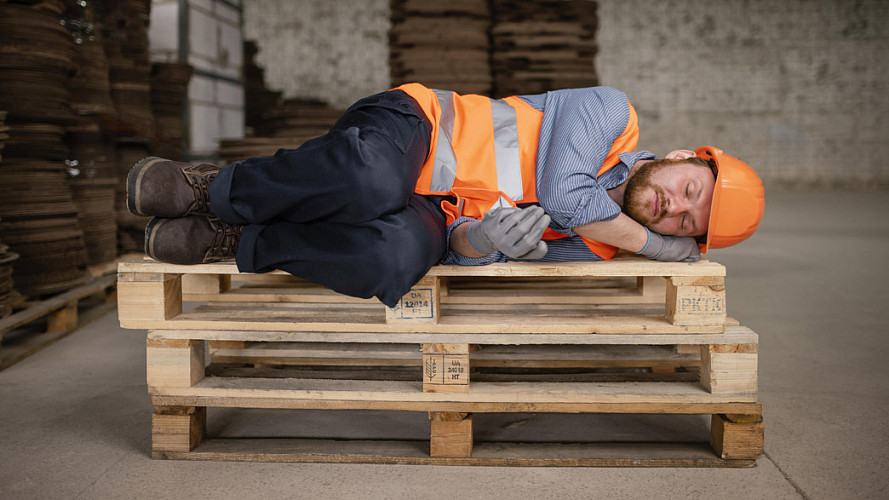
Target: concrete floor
75,417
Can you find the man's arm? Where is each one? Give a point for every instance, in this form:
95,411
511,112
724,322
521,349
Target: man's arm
624,232
460,242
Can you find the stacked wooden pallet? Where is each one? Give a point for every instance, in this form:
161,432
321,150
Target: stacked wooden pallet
543,45
38,324
464,341
441,44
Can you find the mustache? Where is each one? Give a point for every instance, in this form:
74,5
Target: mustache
662,208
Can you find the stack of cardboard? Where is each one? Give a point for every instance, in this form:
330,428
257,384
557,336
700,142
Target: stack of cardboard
443,45
39,219
543,45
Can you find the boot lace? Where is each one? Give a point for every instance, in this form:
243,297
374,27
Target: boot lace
225,241
199,178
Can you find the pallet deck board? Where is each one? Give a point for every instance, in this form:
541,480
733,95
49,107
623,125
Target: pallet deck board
470,324
393,452
733,335
293,393
622,266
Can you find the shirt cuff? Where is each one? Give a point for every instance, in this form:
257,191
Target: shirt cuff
458,259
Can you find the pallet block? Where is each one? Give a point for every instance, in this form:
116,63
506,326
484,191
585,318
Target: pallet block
492,339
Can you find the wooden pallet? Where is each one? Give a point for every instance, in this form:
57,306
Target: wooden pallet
63,315
464,341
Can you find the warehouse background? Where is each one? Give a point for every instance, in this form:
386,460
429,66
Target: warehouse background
87,88
796,88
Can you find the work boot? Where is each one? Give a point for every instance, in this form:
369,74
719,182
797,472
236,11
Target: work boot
167,188
194,239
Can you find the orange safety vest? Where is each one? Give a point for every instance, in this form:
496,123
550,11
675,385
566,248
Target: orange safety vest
484,153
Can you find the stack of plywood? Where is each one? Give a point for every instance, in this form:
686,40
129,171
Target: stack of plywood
544,45
443,45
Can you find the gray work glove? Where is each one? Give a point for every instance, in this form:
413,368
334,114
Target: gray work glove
670,248
514,231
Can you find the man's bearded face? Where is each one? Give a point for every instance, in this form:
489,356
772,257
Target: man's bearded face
671,197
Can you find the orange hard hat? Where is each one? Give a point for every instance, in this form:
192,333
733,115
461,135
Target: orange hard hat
738,200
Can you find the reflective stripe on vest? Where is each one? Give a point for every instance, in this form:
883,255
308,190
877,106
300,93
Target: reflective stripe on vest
444,170
506,148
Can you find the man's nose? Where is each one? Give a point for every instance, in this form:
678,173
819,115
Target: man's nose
676,206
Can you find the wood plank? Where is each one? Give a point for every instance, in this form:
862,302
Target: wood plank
623,265
484,454
733,335
354,394
407,355
486,293
270,320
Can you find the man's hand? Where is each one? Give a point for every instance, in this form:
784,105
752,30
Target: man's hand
671,248
514,231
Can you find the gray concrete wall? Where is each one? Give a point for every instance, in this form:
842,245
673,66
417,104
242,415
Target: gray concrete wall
798,88
333,50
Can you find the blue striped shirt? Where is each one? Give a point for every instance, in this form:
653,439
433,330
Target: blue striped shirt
577,132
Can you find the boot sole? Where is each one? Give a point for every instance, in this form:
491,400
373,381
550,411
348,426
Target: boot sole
133,181
149,235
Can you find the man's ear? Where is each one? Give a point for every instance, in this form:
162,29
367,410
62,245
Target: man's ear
680,154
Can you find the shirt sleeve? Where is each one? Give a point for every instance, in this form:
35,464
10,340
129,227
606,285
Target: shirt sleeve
578,129
457,258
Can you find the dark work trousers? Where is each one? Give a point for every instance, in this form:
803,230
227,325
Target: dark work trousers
340,210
